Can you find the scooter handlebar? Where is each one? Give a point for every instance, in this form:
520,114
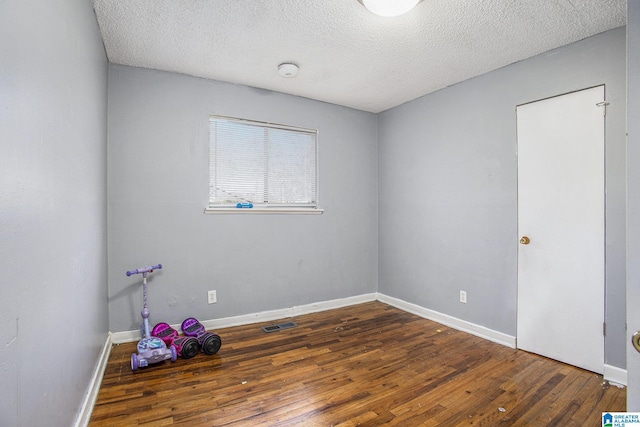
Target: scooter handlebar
144,269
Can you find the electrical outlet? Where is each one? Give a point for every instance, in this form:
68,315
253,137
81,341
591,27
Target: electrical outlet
212,298
463,297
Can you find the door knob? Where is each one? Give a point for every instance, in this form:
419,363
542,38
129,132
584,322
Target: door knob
524,240
635,340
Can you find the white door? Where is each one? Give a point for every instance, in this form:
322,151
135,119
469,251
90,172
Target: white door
561,228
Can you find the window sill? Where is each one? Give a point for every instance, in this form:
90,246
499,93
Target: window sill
267,211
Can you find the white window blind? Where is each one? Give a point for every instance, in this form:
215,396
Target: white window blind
262,164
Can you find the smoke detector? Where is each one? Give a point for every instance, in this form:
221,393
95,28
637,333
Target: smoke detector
288,69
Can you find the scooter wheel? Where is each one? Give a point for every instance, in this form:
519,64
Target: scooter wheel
211,344
190,348
174,353
134,362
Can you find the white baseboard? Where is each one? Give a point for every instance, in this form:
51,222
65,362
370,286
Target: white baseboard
462,325
263,316
82,420
616,376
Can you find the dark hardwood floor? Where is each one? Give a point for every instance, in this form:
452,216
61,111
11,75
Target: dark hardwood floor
364,365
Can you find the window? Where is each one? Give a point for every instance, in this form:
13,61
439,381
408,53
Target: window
263,166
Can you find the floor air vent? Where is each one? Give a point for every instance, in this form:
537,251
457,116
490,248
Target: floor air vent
279,327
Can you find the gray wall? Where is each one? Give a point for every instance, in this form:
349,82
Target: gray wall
158,189
448,187
53,242
633,183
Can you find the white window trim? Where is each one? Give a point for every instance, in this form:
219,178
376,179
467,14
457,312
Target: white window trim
268,211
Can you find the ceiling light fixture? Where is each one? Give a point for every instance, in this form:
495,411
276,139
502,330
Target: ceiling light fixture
288,70
389,8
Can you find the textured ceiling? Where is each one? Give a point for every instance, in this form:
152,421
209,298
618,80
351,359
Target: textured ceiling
346,55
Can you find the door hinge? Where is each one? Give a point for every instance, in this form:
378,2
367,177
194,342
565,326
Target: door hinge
604,105
604,329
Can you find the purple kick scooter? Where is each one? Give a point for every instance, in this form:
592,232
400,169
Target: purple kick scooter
150,349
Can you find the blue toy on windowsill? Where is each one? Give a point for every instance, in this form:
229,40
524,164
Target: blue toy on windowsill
150,349
244,205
